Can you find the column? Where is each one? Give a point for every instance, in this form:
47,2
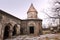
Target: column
10,32
18,30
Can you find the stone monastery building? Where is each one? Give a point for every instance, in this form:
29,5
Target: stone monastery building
11,25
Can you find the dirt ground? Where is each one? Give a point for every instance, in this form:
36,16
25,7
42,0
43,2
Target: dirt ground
41,37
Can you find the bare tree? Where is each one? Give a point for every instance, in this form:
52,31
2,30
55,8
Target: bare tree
56,10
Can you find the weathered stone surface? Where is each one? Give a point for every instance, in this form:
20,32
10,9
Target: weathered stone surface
12,26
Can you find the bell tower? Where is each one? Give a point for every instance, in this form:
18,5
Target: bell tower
32,13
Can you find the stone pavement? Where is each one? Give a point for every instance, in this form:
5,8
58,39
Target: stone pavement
41,37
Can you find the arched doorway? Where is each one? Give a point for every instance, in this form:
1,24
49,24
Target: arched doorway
14,30
6,32
31,29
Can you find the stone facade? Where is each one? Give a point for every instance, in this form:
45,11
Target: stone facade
34,23
11,25
7,23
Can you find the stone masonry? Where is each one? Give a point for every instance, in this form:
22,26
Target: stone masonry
12,26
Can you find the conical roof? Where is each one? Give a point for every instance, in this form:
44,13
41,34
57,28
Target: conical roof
32,9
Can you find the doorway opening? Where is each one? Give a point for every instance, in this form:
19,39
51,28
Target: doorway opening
6,32
31,29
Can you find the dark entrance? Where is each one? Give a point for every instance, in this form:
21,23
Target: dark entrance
6,32
14,30
31,29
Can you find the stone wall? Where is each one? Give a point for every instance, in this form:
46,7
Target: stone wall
6,19
25,24
17,26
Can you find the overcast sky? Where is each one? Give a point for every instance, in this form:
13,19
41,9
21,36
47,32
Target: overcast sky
19,8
